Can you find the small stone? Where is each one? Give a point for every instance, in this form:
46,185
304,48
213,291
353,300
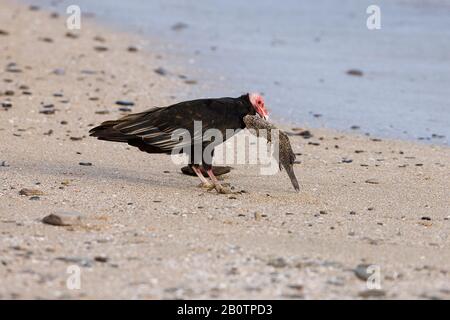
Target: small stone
31,192
59,72
161,71
355,127
6,105
101,258
85,164
426,218
179,26
124,103
277,262
132,49
63,218
323,212
372,293
372,181
257,216
355,72
100,48
4,164
361,271
71,35
35,198
3,33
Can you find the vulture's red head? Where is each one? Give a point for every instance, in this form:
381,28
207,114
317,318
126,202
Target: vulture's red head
258,103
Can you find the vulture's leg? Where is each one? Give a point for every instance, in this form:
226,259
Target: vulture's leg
219,188
204,182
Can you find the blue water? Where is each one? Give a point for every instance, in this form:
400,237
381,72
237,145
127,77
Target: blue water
298,52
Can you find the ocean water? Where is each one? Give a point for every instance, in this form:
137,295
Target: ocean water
297,53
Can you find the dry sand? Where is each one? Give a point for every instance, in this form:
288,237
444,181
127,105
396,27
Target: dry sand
147,232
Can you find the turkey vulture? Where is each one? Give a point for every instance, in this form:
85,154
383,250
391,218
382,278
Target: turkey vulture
152,130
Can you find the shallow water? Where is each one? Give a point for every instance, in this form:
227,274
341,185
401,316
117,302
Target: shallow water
298,53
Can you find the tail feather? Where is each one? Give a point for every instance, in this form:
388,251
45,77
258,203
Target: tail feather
291,174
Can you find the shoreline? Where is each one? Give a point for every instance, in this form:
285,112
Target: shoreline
147,232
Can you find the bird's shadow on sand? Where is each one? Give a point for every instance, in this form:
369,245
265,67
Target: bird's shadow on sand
99,173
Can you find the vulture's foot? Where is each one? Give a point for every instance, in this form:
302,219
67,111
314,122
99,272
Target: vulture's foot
206,185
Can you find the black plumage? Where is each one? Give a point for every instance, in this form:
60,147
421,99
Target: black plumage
151,131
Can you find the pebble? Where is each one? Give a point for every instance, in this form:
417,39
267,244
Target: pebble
277,263
361,271
124,103
100,48
161,71
59,72
179,26
71,35
355,72
132,49
372,293
85,164
63,218
3,33
31,192
4,164
6,105
101,258
372,181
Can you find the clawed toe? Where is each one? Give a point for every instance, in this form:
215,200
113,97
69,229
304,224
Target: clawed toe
207,186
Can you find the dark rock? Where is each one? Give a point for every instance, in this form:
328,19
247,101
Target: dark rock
31,192
71,35
372,293
372,181
3,32
179,26
4,164
132,49
124,103
6,105
355,72
63,218
85,164
101,259
100,48
277,263
161,71
361,271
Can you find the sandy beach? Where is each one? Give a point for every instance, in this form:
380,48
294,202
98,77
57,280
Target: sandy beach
145,231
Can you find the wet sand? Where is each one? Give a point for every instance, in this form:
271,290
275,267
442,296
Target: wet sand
147,232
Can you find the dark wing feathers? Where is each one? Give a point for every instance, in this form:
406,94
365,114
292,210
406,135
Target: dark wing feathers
152,130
